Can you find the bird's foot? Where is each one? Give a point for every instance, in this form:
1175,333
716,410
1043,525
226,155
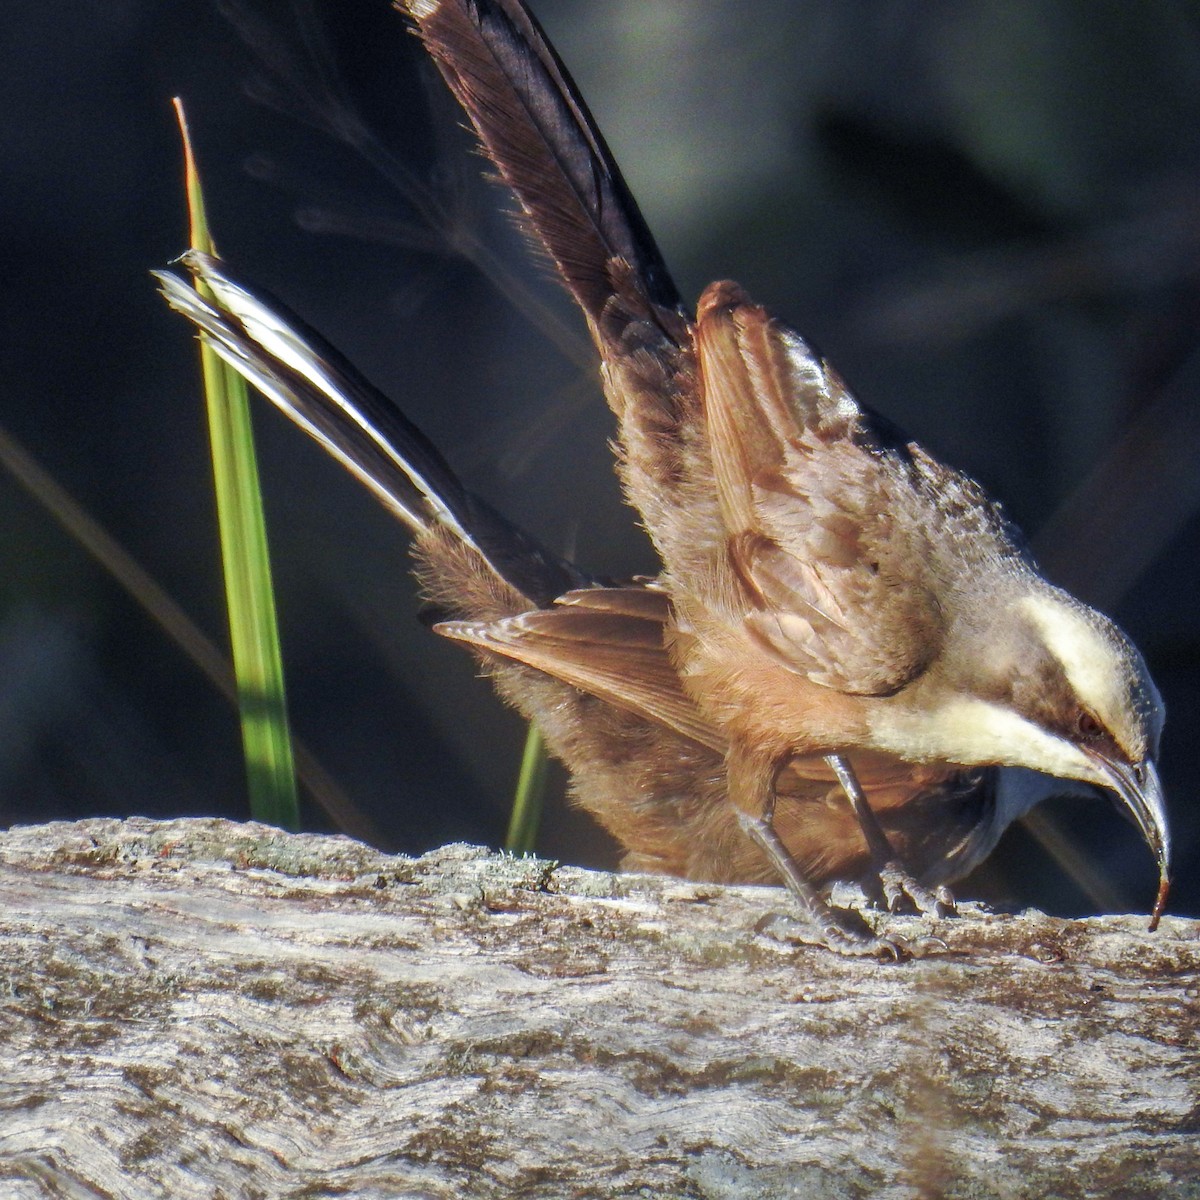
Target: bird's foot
893,886
840,930
837,931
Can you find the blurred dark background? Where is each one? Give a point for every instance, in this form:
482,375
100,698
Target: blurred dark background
987,215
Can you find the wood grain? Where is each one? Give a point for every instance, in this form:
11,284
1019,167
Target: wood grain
205,1009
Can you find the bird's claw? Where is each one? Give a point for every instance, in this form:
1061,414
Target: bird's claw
896,886
832,932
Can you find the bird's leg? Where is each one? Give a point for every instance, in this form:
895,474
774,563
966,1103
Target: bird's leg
895,881
752,789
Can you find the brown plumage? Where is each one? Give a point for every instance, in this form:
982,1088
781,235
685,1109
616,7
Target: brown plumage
834,590
839,617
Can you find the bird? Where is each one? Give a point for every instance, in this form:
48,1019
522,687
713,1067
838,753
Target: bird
657,783
848,663
834,588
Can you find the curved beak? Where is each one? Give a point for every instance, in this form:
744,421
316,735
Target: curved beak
1142,796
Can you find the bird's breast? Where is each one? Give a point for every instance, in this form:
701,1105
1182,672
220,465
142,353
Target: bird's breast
747,693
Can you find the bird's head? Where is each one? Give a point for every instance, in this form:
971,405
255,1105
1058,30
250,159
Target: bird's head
1039,680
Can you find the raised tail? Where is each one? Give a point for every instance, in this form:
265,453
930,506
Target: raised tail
493,586
319,389
538,132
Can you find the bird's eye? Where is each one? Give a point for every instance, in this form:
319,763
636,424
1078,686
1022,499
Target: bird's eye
1087,726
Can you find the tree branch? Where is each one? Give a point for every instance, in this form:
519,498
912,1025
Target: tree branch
203,1009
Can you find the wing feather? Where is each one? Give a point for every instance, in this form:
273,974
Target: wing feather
535,127
824,533
607,642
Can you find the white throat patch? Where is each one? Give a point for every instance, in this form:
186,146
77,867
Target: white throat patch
976,732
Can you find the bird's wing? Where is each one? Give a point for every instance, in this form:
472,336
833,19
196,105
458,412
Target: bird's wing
826,524
536,129
607,642
322,392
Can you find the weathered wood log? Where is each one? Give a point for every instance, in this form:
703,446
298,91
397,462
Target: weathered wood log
205,1009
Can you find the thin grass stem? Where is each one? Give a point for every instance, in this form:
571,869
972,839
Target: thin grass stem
250,596
530,796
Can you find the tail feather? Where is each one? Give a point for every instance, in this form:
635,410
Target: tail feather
537,130
319,389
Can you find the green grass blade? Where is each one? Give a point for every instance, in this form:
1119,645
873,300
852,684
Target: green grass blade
526,813
254,631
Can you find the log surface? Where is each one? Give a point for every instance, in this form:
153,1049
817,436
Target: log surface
203,1009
